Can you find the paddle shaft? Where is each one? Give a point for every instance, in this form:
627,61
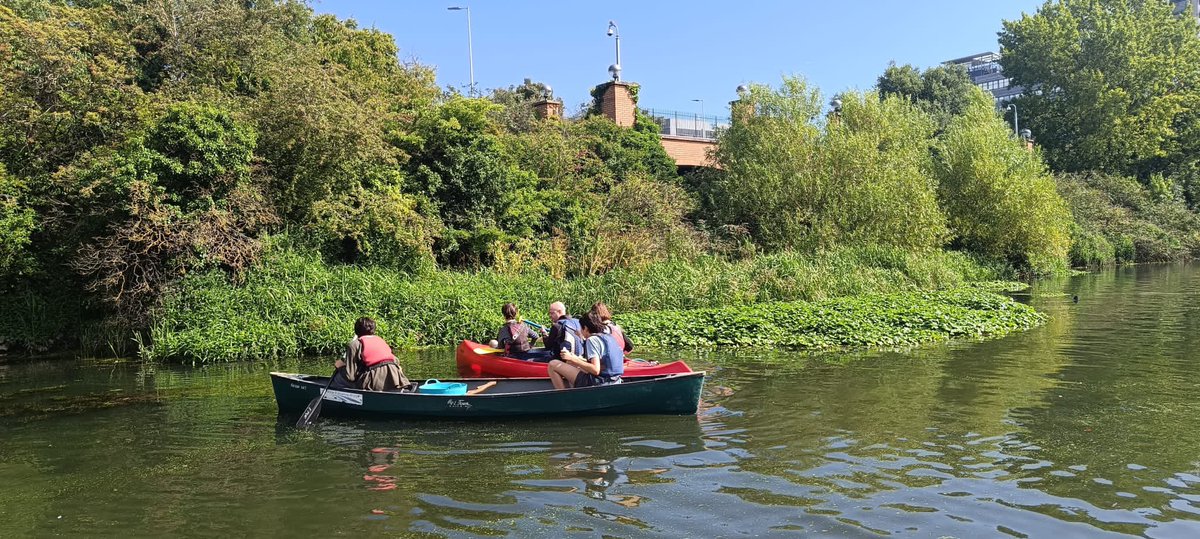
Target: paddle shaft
314,407
482,388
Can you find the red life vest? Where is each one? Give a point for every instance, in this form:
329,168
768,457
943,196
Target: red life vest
617,336
375,351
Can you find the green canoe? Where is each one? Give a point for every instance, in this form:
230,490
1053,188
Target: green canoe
677,394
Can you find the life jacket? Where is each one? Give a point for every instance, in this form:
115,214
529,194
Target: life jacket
375,351
519,338
571,326
617,335
612,358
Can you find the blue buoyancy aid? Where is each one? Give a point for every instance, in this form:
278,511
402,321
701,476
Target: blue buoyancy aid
571,326
612,358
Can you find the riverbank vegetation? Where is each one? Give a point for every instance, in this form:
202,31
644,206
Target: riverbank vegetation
295,303
209,179
905,319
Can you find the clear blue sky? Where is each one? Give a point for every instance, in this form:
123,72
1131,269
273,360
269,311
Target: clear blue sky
682,50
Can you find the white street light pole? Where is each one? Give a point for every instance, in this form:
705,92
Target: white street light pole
470,45
614,32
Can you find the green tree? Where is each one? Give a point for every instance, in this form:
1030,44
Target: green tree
516,113
1000,199
178,198
460,163
796,182
943,91
16,224
65,86
1110,85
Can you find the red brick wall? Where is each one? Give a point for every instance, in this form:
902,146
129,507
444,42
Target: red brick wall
548,109
616,103
688,152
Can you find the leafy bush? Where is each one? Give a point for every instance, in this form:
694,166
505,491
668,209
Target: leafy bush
1000,199
178,199
1124,214
796,183
16,224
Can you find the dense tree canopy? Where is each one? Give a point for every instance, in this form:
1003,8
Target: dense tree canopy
943,91
797,182
1109,85
145,140
999,197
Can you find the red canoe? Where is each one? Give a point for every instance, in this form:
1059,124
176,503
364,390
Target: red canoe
472,364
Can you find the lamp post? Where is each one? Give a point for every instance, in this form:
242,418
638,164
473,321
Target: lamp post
699,122
1016,124
470,45
615,69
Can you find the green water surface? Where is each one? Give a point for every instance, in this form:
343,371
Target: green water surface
1086,427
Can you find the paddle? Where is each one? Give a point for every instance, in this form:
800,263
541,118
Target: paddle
534,324
314,408
481,349
482,388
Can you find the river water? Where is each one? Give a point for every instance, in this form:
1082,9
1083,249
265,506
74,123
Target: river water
1086,427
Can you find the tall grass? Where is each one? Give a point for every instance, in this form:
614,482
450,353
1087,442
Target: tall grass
293,303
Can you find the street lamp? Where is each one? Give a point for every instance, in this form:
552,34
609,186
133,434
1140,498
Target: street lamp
1016,124
470,46
699,125
615,69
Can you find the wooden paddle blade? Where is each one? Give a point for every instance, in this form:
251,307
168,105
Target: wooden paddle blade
487,350
311,412
482,388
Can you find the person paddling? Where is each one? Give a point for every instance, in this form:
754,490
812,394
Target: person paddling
515,338
602,362
369,362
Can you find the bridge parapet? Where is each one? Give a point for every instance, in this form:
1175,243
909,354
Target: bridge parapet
686,124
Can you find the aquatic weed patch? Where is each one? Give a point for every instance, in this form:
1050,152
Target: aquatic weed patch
903,319
294,304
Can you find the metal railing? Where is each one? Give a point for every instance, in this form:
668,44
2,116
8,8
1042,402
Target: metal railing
687,124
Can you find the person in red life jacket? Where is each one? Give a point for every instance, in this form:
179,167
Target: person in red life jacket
602,362
611,328
369,363
515,338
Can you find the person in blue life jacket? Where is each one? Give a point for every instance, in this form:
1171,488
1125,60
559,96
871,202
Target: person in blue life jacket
601,363
515,338
369,362
563,333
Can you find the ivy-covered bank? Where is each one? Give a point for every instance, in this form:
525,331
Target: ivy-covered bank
891,320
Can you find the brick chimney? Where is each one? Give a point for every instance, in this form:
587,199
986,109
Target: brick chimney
616,102
548,108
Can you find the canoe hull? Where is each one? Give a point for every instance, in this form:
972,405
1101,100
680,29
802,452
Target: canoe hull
473,365
675,394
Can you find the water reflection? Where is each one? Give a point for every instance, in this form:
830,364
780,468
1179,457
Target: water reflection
1081,428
